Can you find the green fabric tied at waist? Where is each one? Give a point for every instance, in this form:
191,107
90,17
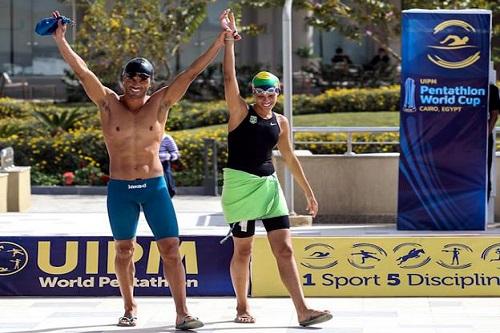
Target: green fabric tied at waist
249,197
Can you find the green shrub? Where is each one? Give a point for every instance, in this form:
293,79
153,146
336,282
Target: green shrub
337,143
11,126
354,100
67,151
57,121
40,178
186,115
90,175
13,108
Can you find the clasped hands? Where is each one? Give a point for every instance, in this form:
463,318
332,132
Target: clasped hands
228,24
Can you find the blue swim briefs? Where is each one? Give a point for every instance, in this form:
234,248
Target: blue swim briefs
125,198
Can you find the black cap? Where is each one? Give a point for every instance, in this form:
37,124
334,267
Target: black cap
139,65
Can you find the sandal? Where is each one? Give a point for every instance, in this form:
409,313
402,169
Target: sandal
320,317
189,323
127,321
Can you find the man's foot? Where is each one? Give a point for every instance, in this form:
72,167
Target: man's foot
244,318
188,322
127,320
313,317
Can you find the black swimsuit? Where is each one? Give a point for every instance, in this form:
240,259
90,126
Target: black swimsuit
250,145
250,149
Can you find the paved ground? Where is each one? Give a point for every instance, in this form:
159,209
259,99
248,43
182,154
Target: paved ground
87,216
274,315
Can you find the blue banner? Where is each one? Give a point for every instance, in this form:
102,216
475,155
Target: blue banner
84,266
443,131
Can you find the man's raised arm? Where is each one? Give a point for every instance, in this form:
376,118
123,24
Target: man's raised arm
93,87
177,89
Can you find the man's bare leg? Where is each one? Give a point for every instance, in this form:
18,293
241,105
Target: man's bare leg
175,275
240,276
125,272
281,245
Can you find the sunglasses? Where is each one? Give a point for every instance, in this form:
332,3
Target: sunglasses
265,92
142,77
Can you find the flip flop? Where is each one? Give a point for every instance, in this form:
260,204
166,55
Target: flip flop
127,321
189,323
320,318
244,319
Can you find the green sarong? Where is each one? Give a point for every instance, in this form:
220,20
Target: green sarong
249,197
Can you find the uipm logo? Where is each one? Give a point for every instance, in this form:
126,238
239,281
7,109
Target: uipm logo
13,258
453,45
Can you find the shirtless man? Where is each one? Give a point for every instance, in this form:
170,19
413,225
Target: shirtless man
133,125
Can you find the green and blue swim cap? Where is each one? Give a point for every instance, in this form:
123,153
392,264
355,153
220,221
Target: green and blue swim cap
265,80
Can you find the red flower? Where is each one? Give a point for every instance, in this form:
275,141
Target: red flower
68,178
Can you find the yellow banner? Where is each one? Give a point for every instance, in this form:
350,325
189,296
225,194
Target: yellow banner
384,266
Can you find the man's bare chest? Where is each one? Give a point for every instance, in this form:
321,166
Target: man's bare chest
126,124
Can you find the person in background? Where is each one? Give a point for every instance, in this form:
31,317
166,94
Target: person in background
341,57
168,153
379,61
341,62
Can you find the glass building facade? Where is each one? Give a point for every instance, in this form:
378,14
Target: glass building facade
25,54
22,52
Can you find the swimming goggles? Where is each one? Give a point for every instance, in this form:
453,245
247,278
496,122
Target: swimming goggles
268,91
142,76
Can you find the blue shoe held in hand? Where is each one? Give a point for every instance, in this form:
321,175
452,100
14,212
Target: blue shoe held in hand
48,25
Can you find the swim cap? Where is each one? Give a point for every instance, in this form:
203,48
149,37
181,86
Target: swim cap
48,25
265,80
139,65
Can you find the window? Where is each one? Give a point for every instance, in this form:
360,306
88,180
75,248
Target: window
23,52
